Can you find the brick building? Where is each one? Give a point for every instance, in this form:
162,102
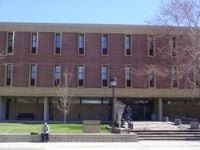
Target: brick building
35,58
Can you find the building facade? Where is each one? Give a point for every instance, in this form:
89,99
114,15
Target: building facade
36,57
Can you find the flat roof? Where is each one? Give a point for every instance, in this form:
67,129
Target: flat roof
81,28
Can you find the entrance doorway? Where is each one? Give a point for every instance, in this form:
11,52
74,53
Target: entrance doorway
141,109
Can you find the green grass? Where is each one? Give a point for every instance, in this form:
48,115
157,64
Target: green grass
54,128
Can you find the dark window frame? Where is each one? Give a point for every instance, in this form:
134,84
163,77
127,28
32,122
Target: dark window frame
151,45
10,42
128,45
34,42
104,76
128,75
33,74
81,76
58,43
57,81
81,44
9,74
104,44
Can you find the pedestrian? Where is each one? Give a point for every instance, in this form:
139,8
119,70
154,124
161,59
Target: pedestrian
45,133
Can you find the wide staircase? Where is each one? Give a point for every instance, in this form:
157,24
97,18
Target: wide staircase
168,134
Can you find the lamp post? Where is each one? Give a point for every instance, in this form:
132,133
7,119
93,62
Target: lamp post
113,83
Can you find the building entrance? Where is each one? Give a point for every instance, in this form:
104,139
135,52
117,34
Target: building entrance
141,109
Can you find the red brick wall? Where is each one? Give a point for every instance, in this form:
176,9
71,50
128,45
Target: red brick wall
69,59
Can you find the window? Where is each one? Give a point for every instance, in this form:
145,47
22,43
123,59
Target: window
104,75
34,38
195,78
81,44
9,72
151,79
173,45
174,77
128,45
10,42
151,45
57,74
81,75
91,101
33,74
197,83
128,76
57,43
104,44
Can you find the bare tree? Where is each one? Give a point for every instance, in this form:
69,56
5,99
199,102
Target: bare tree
180,20
65,96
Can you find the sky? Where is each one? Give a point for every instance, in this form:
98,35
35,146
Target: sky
135,12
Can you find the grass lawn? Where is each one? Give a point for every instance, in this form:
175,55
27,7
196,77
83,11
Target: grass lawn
54,128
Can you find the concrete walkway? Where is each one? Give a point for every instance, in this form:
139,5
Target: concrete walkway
142,145
152,125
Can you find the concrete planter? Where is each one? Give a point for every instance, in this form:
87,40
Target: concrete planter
91,126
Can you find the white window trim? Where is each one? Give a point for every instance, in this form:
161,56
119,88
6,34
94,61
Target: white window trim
154,43
171,45
128,65
37,34
155,79
13,43
177,77
78,76
130,44
108,76
54,67
31,74
55,43
107,44
11,82
84,44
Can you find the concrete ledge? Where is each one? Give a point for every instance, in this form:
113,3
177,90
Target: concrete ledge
72,138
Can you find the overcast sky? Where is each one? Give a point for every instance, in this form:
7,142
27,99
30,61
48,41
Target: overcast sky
79,11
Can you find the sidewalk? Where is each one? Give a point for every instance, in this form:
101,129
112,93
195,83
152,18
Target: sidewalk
142,145
152,125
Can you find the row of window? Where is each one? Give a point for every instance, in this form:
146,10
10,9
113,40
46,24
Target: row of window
81,75
81,44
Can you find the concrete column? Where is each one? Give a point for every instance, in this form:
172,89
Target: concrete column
1,112
114,109
160,110
46,109
2,109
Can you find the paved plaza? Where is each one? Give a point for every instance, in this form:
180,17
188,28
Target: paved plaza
157,125
142,145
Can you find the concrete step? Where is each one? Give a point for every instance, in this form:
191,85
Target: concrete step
169,138
182,135
180,131
168,135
